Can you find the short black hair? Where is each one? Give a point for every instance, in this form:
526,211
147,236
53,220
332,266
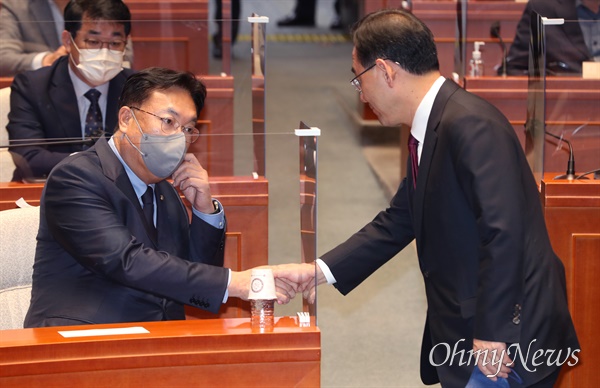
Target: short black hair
111,10
140,85
398,36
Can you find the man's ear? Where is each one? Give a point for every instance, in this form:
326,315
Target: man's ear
124,118
66,40
389,72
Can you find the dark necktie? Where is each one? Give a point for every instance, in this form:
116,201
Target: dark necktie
93,119
148,206
413,144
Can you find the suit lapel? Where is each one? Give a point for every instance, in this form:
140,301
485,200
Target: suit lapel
62,97
429,144
114,90
114,170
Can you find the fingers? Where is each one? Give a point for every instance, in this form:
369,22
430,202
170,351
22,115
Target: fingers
285,291
492,359
192,180
296,278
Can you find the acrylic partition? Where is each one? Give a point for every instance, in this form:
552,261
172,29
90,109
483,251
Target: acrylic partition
563,120
266,185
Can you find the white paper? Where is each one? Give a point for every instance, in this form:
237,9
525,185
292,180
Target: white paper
100,332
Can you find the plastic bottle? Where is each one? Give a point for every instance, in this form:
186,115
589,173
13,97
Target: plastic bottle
476,61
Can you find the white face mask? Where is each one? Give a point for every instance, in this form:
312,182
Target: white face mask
98,66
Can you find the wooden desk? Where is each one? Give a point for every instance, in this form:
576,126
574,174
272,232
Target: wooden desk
246,202
571,102
572,213
212,353
214,148
170,33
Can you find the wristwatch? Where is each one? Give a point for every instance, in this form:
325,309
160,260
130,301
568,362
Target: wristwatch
216,205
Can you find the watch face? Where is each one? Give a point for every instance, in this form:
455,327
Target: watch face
257,285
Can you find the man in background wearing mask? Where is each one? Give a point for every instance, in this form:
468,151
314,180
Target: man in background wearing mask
75,99
115,242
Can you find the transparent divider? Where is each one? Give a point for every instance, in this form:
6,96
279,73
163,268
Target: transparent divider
563,122
267,187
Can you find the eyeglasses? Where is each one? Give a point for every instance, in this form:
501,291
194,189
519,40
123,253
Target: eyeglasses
356,82
170,126
115,46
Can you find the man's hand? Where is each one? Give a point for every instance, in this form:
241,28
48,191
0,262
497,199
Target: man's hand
51,57
290,279
492,359
295,278
192,180
239,287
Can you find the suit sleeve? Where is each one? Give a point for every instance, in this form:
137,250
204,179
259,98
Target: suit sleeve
374,245
25,125
488,166
96,227
12,49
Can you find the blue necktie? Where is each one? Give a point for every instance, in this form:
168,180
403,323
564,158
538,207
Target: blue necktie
413,144
93,119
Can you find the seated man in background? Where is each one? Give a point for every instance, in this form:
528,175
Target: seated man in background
115,242
567,45
76,97
30,32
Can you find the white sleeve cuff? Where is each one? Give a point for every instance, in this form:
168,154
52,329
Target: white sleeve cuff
326,271
227,288
37,60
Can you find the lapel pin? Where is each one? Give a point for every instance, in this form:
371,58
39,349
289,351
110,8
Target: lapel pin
162,197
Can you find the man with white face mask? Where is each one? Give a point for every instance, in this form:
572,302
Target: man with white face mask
115,242
71,102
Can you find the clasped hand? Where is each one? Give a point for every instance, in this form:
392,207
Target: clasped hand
290,279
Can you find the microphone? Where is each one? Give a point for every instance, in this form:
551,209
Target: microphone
88,141
570,175
495,33
407,6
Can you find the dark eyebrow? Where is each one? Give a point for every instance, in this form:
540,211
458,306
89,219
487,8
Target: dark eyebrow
353,71
94,32
177,116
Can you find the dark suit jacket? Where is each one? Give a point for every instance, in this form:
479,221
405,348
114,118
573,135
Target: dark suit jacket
489,270
43,105
96,262
565,45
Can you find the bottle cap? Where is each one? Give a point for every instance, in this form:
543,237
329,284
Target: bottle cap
262,284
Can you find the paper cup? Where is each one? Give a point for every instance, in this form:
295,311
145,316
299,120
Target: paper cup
262,284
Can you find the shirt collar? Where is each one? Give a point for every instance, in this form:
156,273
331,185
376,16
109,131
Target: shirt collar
81,87
419,124
139,185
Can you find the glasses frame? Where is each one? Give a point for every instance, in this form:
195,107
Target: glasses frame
356,82
191,133
103,44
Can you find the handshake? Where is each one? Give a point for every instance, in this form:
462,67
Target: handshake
290,279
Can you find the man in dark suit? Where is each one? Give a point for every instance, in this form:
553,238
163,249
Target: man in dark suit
115,242
493,284
51,103
567,45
